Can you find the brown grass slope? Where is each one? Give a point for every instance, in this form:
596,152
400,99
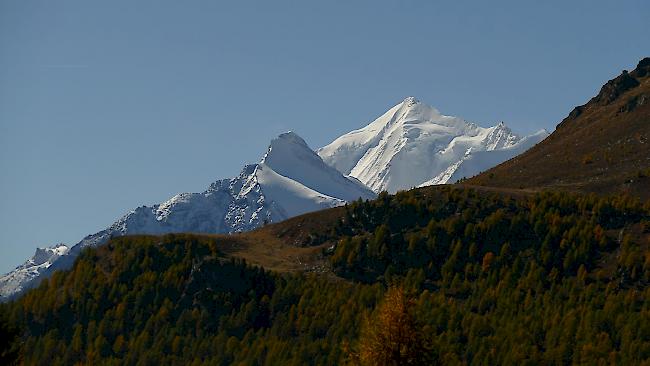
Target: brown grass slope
602,146
288,246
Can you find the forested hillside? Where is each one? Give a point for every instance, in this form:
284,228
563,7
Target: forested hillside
478,278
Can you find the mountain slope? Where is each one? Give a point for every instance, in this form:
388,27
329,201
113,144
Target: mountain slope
290,180
602,146
413,144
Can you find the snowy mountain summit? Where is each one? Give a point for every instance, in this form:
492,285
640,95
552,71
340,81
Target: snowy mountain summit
291,179
413,144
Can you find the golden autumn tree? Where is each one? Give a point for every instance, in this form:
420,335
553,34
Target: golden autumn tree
392,335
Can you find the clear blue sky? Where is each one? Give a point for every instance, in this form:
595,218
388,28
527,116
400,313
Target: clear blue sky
105,106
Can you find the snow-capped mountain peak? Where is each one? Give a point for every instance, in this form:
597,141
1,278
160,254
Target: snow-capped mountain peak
286,146
412,109
413,143
410,101
499,137
289,137
19,279
45,255
289,156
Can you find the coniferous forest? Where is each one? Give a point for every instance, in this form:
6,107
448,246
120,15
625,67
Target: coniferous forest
449,276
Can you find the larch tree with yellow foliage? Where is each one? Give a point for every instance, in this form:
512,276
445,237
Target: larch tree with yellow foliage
392,335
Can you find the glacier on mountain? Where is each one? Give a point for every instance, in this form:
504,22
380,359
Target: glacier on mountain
413,144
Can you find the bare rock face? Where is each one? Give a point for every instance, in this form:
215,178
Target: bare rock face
615,87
